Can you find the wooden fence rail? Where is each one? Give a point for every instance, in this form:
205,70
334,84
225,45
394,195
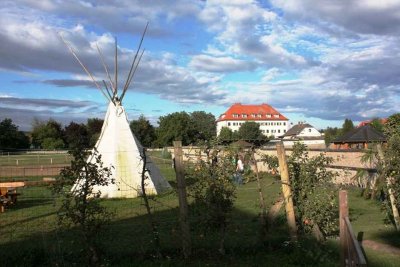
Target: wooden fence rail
351,253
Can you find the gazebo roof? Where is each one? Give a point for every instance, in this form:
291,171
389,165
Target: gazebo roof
363,134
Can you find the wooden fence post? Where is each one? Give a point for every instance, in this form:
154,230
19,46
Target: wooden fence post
183,206
343,212
287,190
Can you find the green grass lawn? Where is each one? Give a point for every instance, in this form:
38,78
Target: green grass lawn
367,216
30,234
25,159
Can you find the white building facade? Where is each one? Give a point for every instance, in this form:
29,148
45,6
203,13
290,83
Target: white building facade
272,123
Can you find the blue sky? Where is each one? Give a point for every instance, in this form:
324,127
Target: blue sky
315,61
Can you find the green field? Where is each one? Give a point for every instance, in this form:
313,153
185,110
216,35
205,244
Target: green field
33,159
30,235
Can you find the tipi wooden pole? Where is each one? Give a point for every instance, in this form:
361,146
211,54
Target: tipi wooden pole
183,206
395,211
343,212
287,191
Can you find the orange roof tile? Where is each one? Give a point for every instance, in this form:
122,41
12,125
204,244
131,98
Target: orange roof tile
250,110
363,123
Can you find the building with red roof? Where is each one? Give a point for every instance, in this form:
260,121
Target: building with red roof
272,123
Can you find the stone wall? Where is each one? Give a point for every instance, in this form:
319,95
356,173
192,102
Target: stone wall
346,162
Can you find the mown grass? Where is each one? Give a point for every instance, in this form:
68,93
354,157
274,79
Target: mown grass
24,159
368,220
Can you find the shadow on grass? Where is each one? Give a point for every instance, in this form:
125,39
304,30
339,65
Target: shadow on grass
129,242
391,237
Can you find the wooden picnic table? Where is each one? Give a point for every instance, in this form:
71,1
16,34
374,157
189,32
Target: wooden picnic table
9,194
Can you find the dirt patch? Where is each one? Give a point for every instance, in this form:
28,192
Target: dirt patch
381,247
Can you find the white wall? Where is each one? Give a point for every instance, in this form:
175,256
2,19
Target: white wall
267,127
309,131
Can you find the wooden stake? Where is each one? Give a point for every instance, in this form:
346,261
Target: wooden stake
287,191
343,212
395,211
183,206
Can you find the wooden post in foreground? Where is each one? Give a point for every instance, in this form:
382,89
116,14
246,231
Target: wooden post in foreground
287,190
183,206
343,212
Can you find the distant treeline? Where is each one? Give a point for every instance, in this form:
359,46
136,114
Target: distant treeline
187,127
194,128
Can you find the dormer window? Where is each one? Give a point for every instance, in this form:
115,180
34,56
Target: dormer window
244,115
235,115
253,115
268,115
276,116
259,115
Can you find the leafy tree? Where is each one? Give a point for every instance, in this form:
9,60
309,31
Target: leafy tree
47,135
81,207
214,192
225,135
313,197
377,124
204,127
143,130
391,169
10,137
175,126
250,131
94,126
331,134
76,135
392,125
347,126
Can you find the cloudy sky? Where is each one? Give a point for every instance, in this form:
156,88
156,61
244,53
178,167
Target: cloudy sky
316,61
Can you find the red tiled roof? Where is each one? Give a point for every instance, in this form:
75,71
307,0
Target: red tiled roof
250,110
363,123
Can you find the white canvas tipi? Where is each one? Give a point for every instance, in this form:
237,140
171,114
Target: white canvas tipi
118,146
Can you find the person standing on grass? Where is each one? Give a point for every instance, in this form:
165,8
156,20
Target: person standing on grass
239,170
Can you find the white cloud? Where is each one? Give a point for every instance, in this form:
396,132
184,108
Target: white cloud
220,64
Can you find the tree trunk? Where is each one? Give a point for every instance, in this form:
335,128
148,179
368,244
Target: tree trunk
263,214
153,225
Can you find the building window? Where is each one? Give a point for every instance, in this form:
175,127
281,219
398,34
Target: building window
259,115
284,123
276,116
253,115
284,131
244,115
309,130
268,115
229,124
279,131
235,115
